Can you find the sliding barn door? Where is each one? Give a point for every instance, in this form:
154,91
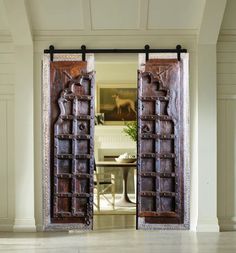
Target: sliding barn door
161,144
70,146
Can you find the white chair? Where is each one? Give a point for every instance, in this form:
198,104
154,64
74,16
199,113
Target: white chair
103,183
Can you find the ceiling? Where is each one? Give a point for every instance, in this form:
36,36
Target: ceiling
98,17
115,14
103,15
229,20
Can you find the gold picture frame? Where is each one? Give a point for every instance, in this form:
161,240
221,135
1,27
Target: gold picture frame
118,102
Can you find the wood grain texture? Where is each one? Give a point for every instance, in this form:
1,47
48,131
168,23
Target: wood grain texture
160,143
72,129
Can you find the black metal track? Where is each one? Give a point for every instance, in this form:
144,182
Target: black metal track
178,50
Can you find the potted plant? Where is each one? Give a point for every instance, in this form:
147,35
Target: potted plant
131,130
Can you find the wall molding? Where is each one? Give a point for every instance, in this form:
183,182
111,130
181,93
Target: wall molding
7,89
24,225
227,223
7,162
227,35
5,36
6,224
6,227
208,225
226,91
226,97
115,32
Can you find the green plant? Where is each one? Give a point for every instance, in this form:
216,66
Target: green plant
131,130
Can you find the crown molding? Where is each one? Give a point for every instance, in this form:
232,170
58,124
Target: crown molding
115,41
132,32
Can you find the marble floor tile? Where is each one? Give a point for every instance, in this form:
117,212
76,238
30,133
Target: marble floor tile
120,241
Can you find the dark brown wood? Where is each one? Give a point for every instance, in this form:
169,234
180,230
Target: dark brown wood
71,142
160,143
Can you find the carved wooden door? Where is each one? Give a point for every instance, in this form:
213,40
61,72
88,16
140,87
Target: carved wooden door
160,145
71,144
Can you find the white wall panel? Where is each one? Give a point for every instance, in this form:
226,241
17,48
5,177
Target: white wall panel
56,14
225,79
226,68
6,136
3,158
226,58
6,48
3,18
7,58
6,68
173,14
226,47
122,14
6,162
38,139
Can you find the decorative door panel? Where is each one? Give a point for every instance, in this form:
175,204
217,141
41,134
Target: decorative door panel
70,146
161,145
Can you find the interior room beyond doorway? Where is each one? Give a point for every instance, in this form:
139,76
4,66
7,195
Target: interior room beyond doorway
114,74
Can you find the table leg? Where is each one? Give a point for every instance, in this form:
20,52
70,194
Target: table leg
125,201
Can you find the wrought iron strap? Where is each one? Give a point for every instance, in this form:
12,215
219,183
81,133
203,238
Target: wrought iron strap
83,50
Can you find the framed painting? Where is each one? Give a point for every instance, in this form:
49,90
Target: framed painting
118,102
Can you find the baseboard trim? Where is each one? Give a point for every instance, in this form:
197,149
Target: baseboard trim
208,225
227,223
6,227
24,225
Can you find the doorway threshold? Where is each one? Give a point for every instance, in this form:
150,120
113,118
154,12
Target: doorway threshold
114,221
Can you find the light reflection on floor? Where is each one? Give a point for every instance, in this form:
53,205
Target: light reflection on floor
106,207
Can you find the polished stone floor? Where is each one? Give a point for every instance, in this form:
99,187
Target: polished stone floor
106,208
120,241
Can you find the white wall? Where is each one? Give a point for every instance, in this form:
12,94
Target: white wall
226,82
24,140
226,87
7,59
207,150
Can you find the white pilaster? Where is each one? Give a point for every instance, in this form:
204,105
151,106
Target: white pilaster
24,146
207,139
16,11
207,116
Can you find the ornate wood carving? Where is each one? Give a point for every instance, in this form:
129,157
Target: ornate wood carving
71,143
160,144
